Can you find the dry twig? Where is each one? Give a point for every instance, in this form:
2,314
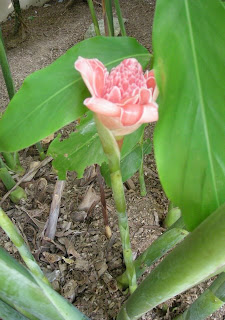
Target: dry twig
54,211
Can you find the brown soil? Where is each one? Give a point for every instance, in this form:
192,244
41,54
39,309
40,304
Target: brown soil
82,260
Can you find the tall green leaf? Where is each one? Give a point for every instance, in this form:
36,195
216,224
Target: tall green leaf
189,45
19,289
8,313
53,97
199,256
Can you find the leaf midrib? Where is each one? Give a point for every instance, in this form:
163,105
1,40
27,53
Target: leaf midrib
70,84
202,105
84,145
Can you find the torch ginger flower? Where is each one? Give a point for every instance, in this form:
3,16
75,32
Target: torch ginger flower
123,99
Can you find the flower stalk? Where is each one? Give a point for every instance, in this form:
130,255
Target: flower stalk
154,252
112,152
141,169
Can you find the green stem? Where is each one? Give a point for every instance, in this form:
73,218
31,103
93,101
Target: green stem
208,302
112,152
154,252
17,8
94,18
172,216
13,162
6,178
120,18
201,254
12,159
109,16
14,235
141,169
9,183
2,164
5,68
40,150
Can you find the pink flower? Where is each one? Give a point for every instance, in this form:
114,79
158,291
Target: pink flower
122,99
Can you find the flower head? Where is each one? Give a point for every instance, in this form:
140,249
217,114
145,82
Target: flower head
122,99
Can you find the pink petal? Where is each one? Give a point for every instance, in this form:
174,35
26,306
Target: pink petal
122,131
93,73
131,114
155,93
150,79
145,96
103,107
130,100
150,113
114,95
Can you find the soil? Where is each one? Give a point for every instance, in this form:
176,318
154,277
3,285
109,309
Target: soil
82,262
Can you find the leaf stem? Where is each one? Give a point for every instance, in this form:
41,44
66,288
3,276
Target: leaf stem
208,302
141,169
195,259
17,194
13,162
40,150
94,18
5,68
112,152
120,18
109,17
14,235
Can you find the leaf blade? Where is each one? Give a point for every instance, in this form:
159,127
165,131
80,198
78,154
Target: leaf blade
189,135
53,97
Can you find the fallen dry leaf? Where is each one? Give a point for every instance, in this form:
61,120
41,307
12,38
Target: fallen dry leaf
48,139
51,257
33,165
89,199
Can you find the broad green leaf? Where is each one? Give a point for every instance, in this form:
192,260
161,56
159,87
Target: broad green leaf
53,97
189,46
82,149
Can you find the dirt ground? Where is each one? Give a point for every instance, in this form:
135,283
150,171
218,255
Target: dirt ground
82,263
